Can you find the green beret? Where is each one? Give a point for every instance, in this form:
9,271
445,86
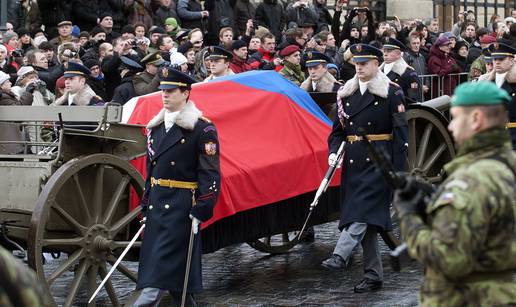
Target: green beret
483,93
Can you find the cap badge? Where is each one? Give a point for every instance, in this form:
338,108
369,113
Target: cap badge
496,46
359,48
309,55
164,72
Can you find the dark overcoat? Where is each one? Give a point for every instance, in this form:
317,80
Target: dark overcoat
365,194
509,86
189,152
406,77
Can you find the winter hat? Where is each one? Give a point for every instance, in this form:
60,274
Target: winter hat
76,31
89,63
449,35
487,39
441,41
96,30
40,39
171,22
22,31
104,15
177,58
8,36
2,47
238,44
23,72
3,77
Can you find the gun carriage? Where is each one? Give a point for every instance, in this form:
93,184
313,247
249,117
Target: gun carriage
72,196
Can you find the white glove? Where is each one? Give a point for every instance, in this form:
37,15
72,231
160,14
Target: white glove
195,224
143,220
331,159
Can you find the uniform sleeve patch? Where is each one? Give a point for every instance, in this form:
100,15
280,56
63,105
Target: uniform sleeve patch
446,198
209,128
210,148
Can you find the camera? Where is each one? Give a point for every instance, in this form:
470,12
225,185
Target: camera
18,53
361,10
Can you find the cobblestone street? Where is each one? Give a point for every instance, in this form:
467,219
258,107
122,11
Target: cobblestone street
241,276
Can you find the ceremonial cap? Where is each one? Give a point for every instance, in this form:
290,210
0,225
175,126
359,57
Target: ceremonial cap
288,50
314,58
73,69
390,43
64,23
364,53
482,93
487,55
501,50
171,78
130,64
217,53
153,58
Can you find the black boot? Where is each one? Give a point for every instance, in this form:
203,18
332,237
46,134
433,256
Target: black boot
368,285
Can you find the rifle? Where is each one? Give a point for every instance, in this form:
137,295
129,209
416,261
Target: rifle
396,181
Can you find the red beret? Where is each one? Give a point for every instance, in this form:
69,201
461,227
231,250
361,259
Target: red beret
289,50
487,39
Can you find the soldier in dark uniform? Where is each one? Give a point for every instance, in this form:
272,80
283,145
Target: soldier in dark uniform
504,75
372,102
125,90
147,81
319,79
183,183
399,71
77,91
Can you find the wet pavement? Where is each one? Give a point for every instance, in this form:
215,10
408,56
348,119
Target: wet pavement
241,276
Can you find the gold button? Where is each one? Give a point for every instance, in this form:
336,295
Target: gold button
154,163
351,161
150,207
367,159
351,123
347,104
182,141
376,103
396,80
172,163
513,94
167,206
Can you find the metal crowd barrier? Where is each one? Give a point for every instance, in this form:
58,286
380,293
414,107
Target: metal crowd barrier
434,86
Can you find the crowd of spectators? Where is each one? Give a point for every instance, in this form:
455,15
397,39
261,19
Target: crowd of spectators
124,43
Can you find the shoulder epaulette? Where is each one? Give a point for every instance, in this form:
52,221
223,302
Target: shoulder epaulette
205,119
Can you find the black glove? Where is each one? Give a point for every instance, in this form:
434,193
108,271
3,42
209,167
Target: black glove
411,199
31,88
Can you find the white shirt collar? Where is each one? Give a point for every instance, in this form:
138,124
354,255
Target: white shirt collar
314,86
500,79
70,98
170,118
387,68
363,86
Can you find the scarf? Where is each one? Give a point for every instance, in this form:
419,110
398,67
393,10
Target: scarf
298,73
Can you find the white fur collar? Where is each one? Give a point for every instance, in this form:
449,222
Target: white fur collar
187,117
378,86
490,76
399,66
82,98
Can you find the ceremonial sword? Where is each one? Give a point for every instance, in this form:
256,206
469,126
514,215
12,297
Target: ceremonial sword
117,262
193,232
324,184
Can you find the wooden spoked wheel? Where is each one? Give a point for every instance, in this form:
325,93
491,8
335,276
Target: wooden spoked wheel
278,244
83,212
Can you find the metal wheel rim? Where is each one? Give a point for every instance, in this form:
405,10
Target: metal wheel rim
87,269
423,152
268,244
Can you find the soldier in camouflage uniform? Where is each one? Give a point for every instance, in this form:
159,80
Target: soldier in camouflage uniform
466,237
19,287
479,66
291,70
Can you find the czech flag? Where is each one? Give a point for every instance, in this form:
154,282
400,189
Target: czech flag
273,137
